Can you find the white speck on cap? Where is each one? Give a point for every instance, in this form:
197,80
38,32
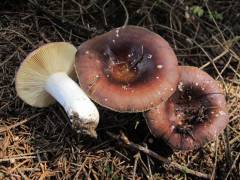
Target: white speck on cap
180,86
189,98
130,55
125,87
159,66
149,56
222,113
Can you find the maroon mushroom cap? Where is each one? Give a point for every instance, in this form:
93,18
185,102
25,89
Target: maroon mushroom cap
195,114
129,69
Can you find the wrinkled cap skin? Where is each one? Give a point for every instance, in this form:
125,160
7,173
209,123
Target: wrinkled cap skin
194,115
129,69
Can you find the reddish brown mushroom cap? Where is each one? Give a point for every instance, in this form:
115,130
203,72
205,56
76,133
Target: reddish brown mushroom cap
129,69
195,114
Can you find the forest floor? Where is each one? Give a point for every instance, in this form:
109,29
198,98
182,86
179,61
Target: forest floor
40,144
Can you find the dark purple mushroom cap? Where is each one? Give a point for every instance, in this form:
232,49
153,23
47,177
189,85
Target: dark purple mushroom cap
129,69
195,114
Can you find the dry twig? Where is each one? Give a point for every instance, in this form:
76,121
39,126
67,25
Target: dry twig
122,139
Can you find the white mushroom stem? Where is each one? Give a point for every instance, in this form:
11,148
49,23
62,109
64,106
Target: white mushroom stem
82,112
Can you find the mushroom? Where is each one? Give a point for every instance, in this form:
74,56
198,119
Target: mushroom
45,76
129,69
195,114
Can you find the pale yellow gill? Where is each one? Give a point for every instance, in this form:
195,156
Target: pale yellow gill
38,66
